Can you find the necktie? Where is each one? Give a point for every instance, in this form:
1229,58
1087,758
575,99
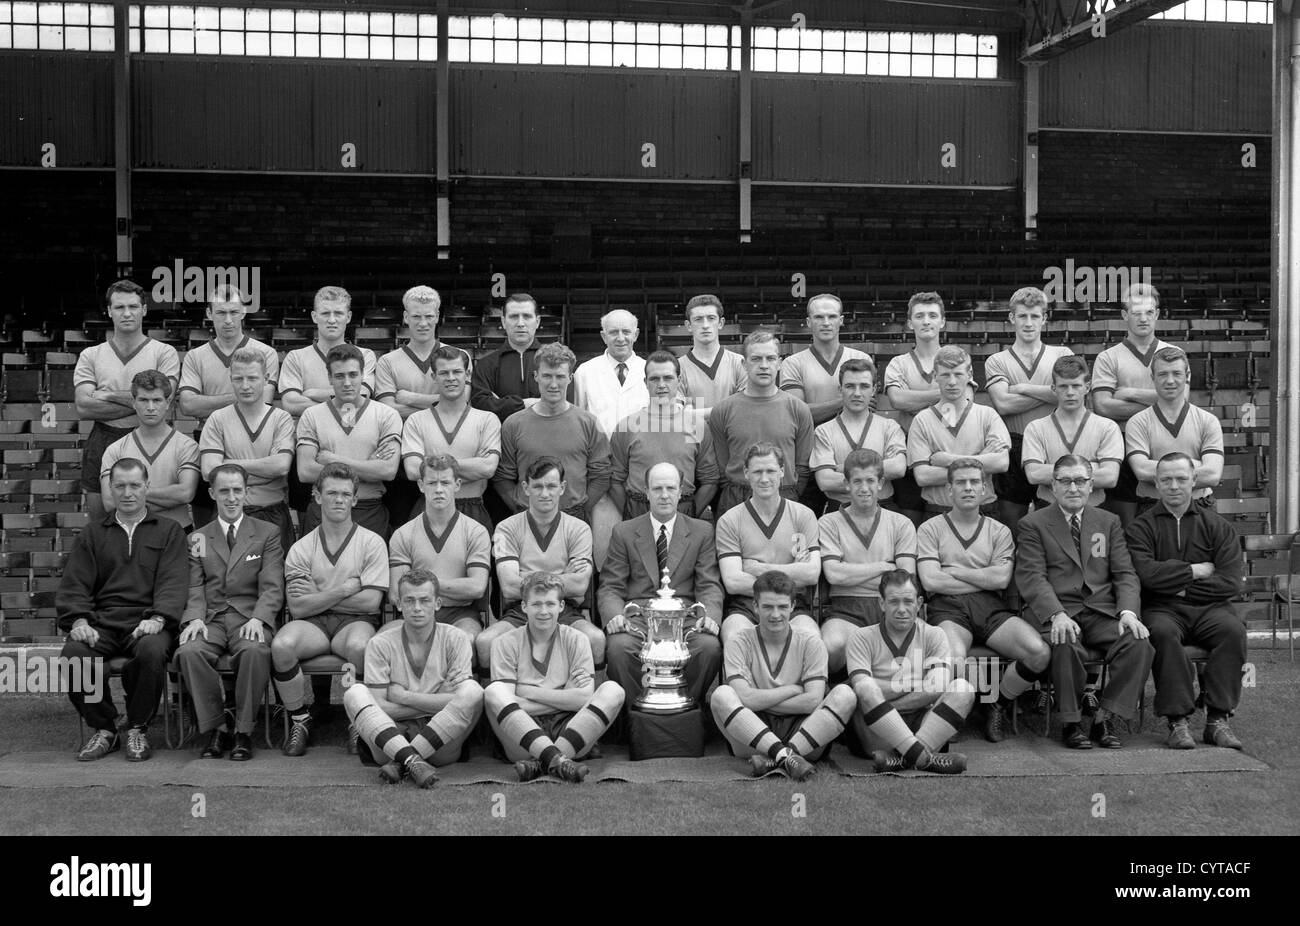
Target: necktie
230,536
1076,533
622,373
661,548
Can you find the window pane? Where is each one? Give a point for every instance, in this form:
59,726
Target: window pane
232,18
900,65
530,28
282,20
458,26
308,46
787,38
257,43
207,42
647,56
922,66
693,58
647,33
428,25
331,46
810,62
670,56
155,17
505,27
281,44
763,59
715,59
900,41
305,21
381,23
530,52
695,33
404,24
232,43
25,37
552,52
624,55
356,46
553,30
855,62
832,62
965,65
76,38
810,38
988,44
988,67
670,34
505,51
356,23
787,61
576,54
480,50
457,49
101,39
480,27
405,48
155,40
602,55
182,42
877,41
855,41
943,66
51,14
945,43
576,30
207,17
764,37
877,64
255,20
428,49
602,30
833,40
624,32
331,21
74,14
965,44
101,14
715,35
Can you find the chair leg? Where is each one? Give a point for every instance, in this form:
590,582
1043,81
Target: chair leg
268,700
169,712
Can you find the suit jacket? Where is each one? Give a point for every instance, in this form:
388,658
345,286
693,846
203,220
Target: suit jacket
631,570
248,578
1053,575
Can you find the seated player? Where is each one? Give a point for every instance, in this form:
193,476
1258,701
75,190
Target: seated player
1072,429
965,563
419,701
543,703
236,593
351,429
1174,423
1189,563
910,701
257,437
471,436
774,707
639,552
1076,577
542,538
446,542
767,532
172,457
856,428
122,594
953,427
859,544
336,578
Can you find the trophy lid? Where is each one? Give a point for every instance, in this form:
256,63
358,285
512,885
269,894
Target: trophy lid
665,600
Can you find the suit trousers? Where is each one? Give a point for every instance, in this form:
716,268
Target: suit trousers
1128,662
623,663
1215,627
143,677
251,661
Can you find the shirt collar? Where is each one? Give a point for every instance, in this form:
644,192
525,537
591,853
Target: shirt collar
238,522
130,527
613,364
671,523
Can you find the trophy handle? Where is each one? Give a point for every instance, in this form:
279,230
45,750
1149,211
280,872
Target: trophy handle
701,613
632,609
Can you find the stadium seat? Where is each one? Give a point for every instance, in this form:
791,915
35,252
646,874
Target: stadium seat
1284,588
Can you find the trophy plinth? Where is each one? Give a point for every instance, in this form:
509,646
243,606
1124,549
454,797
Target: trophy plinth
664,653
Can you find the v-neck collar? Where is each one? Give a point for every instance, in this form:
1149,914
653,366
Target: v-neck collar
225,358
543,540
916,362
1145,358
965,542
954,431
775,671
417,670
1033,367
1173,427
710,370
334,557
449,436
835,361
545,665
356,417
253,435
870,535
854,444
122,358
151,457
439,540
424,366
907,640
767,529
1070,442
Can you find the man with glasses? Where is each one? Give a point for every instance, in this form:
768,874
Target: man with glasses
1076,577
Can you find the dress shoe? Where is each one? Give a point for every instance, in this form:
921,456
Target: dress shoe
1074,738
1218,733
1088,703
243,750
218,743
1179,736
796,767
100,744
761,765
137,744
1103,734
995,721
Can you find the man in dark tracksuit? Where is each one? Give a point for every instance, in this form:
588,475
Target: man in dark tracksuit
1187,559
122,594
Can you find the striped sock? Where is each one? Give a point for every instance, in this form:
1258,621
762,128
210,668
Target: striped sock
1016,681
589,724
940,724
828,721
515,724
889,725
291,686
744,726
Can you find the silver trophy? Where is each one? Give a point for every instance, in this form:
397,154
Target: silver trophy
663,651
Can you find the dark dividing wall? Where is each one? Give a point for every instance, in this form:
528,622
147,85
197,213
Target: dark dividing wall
1091,175
66,100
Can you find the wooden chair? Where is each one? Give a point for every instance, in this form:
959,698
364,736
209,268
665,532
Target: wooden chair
1282,594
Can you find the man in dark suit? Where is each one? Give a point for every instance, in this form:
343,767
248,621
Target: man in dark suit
236,593
634,572
1074,573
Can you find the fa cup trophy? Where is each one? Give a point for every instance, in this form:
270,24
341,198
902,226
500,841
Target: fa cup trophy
664,653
